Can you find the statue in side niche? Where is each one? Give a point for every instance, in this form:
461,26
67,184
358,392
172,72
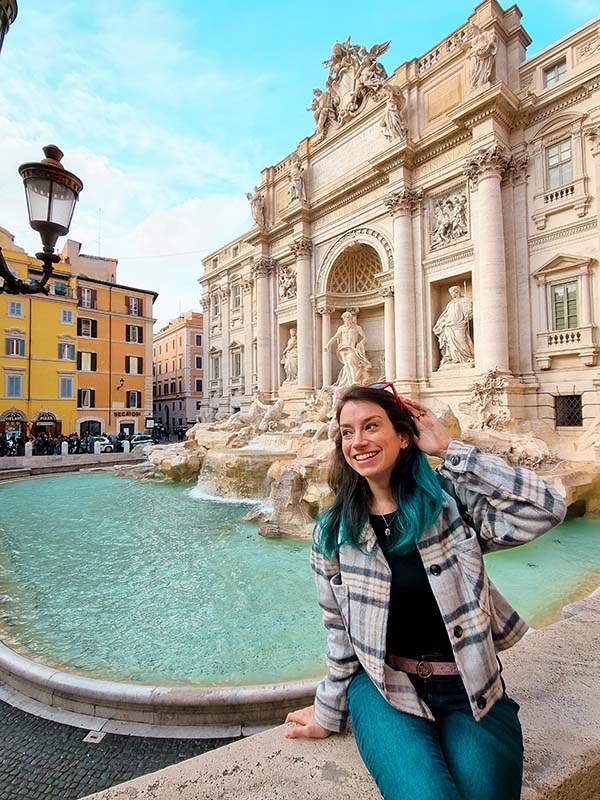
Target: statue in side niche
350,340
452,330
483,55
289,358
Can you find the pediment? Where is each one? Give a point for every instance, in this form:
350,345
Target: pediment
563,263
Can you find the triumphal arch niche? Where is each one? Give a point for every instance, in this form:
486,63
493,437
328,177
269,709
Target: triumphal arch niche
448,205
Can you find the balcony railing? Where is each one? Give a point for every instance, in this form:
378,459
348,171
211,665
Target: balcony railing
572,341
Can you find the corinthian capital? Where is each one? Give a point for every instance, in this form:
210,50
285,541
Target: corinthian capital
325,309
486,162
262,267
403,202
386,291
301,247
592,133
517,166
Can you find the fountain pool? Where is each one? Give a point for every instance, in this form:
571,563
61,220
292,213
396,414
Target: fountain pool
153,584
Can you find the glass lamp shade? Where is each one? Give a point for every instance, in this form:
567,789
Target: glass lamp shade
8,14
51,194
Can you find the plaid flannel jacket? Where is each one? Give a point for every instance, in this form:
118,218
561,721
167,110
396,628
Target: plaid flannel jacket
501,507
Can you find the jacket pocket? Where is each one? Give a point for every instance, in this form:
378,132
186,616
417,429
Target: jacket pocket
342,598
472,568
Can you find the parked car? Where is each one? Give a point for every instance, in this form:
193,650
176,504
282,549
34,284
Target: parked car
106,446
141,440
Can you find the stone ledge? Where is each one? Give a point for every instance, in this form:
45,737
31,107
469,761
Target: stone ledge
554,674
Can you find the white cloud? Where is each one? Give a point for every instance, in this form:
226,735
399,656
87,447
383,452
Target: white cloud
193,228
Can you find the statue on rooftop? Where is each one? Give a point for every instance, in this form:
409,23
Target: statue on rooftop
257,206
483,55
297,189
394,123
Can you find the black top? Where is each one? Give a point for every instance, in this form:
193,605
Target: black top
415,625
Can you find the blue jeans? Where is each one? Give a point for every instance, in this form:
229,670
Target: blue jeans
453,758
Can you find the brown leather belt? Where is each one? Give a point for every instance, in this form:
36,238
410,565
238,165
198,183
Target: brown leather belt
424,669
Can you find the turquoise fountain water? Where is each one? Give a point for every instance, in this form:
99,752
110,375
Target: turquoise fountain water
151,582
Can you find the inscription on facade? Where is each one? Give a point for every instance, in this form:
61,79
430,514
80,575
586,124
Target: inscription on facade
347,155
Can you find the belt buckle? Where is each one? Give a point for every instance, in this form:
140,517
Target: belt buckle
424,669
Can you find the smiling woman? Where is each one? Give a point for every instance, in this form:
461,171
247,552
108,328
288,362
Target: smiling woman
413,623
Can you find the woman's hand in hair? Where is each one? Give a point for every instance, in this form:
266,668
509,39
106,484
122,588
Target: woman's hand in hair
433,438
305,725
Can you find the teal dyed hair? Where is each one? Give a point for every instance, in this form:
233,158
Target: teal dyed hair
413,483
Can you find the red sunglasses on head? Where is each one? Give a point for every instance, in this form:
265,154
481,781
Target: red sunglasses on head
384,386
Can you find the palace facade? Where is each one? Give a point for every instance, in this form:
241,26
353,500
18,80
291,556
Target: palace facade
470,167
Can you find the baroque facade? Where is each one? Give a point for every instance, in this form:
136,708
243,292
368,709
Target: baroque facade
452,207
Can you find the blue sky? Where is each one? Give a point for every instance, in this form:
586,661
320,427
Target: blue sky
168,111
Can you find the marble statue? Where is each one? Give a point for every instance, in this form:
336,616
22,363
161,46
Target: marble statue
290,358
354,73
297,189
483,54
273,417
394,123
452,330
287,282
257,206
484,406
350,341
252,418
323,105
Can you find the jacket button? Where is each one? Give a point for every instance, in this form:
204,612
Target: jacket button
481,703
435,569
458,631
454,460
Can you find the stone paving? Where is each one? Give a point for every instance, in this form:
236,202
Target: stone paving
42,760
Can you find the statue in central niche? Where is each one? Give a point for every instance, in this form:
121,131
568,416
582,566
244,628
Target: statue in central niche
350,340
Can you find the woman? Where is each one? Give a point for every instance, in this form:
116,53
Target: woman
413,621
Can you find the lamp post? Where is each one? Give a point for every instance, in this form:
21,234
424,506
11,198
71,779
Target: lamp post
8,14
51,194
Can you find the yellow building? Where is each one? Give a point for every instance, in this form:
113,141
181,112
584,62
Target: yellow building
38,355
78,359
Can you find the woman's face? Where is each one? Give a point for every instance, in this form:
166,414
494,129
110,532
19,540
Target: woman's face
370,443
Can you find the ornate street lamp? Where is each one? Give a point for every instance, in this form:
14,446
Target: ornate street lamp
8,14
51,194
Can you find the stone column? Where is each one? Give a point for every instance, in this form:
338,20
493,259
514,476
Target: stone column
592,134
585,306
224,293
485,167
301,250
388,331
326,312
261,270
401,205
247,285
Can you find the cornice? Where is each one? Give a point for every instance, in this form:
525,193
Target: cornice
498,102
536,242
448,258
